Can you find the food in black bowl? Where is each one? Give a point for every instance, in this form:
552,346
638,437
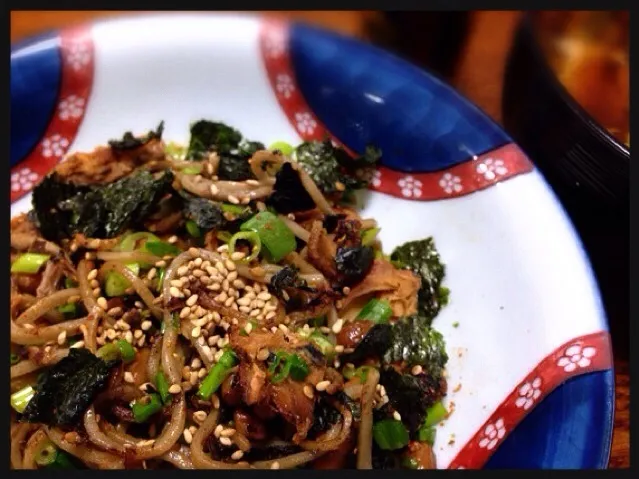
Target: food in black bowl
566,102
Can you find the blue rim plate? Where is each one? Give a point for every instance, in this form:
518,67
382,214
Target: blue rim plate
442,155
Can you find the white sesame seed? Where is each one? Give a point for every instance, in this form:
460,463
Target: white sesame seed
92,274
339,349
233,199
173,239
238,255
308,391
237,455
78,344
262,354
196,331
248,328
175,389
146,325
194,252
111,333
199,416
137,334
62,337
230,265
337,327
160,264
283,328
128,337
417,370
226,441
192,300
264,296
128,377
223,248
201,373
188,437
270,315
227,432
214,189
183,270
322,385
397,416
218,430
102,302
275,465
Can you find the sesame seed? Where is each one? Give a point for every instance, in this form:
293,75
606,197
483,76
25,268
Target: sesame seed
244,301
172,239
238,256
111,333
220,267
308,391
248,328
128,337
175,389
417,370
397,416
128,377
151,274
270,315
233,199
192,300
227,432
230,265
237,455
226,441
183,270
161,264
337,327
199,416
193,429
223,248
92,274
275,465
264,296
322,385
188,437
339,348
146,325
201,373
262,354
194,252
283,328
229,301
197,262
196,331
78,344
95,284
215,401
175,292
62,337
193,378
137,334
218,430
102,302
117,311
176,282
214,189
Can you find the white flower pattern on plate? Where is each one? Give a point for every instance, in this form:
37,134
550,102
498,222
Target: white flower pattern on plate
528,394
575,356
305,123
491,168
79,55
55,146
450,183
275,44
411,188
71,107
284,85
376,180
23,180
492,434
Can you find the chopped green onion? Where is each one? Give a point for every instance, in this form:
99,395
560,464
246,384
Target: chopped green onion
161,248
21,398
427,434
435,414
277,239
376,310
130,241
120,349
15,359
146,407
70,310
115,284
369,236
224,236
193,229
217,375
390,434
285,148
29,263
235,209
361,373
62,461
250,236
192,170
69,283
409,463
322,342
162,385
285,365
46,454
161,273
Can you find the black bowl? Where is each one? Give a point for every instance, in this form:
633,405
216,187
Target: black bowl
586,166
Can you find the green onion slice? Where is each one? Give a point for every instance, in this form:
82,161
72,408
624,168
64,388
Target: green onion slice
29,263
21,398
390,434
217,375
376,310
251,237
146,407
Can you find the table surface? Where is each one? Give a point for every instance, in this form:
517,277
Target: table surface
487,45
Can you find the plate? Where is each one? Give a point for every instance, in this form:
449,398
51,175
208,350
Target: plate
530,370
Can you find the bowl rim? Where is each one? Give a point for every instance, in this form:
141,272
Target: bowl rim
527,27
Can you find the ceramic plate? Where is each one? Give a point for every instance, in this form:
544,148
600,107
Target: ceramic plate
530,375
